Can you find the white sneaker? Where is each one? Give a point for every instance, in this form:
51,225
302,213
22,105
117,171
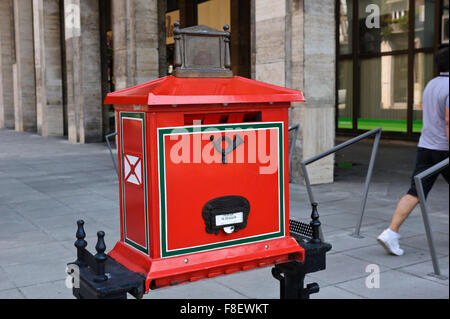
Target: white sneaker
390,243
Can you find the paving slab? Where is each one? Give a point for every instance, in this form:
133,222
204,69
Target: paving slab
302,209
376,254
8,216
47,184
37,272
397,285
23,239
16,226
346,220
203,289
332,292
424,269
48,290
32,253
67,233
420,242
5,282
47,212
341,268
257,283
438,223
344,241
14,197
11,294
405,231
33,205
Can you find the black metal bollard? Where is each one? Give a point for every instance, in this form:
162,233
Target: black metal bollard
315,225
80,243
100,257
94,281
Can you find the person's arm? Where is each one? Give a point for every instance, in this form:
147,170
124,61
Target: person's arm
446,121
446,117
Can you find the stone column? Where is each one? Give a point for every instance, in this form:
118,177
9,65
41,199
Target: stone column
83,66
318,124
6,75
47,58
297,82
136,42
23,68
269,30
294,46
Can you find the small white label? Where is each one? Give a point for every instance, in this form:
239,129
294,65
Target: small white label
229,219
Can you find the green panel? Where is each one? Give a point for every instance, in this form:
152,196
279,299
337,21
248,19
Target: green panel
345,122
417,126
387,125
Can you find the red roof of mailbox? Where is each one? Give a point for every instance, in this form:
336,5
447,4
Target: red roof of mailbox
171,90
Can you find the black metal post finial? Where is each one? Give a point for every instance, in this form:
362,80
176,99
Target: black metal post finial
100,257
315,224
80,243
227,62
177,38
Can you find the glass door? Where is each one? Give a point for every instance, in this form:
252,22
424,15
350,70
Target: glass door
385,58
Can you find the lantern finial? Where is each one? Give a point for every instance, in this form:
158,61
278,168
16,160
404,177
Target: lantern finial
202,52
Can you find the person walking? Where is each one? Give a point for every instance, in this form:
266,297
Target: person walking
432,149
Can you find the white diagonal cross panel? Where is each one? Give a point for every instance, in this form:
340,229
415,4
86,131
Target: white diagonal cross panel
133,169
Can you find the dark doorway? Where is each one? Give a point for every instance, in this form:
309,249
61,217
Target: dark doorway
106,51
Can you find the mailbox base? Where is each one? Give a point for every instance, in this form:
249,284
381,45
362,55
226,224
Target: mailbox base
126,270
292,275
120,281
192,267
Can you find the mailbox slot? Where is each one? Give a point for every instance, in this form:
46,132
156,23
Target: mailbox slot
222,118
229,213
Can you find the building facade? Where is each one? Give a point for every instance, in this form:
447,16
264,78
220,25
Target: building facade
59,58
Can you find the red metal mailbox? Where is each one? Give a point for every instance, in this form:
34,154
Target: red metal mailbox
170,138
203,169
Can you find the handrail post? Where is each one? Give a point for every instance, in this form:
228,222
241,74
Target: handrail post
423,207
292,146
367,184
377,133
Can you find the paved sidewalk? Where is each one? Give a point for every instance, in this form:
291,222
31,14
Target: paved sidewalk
46,184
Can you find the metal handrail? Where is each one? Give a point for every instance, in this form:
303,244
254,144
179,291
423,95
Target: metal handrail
107,137
377,133
423,207
292,146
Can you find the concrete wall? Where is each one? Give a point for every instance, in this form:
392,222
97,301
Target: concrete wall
6,76
47,58
23,69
